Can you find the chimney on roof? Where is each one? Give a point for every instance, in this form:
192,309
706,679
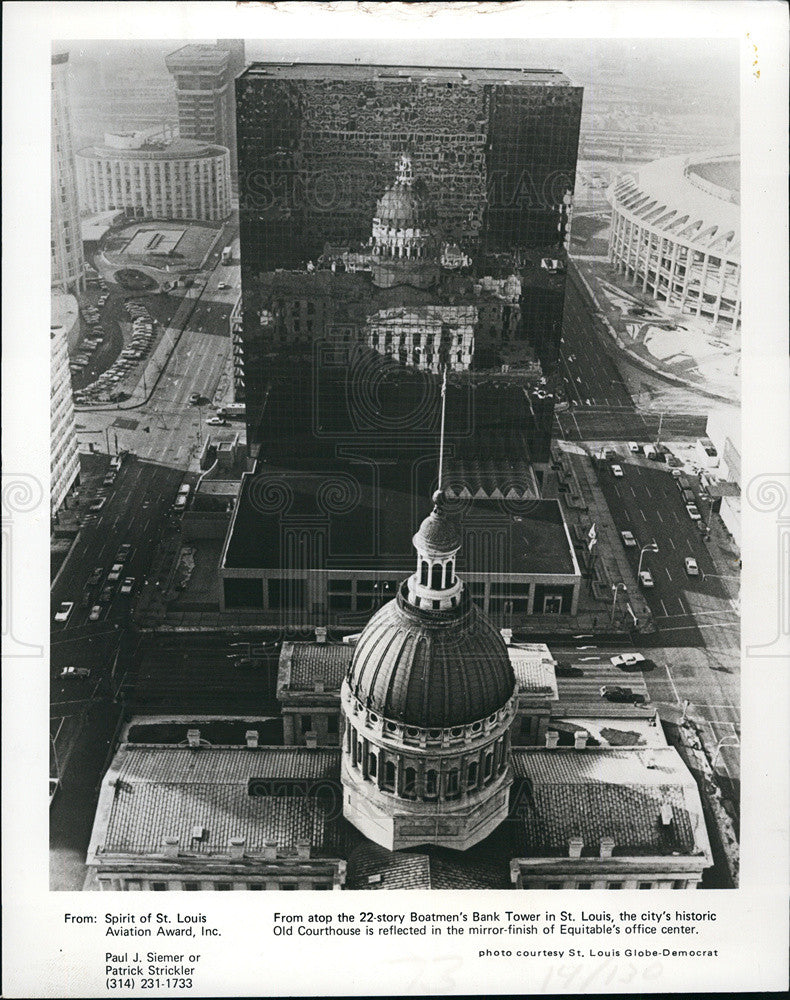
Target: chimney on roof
303,847
310,740
552,738
170,847
580,739
251,736
666,813
507,635
607,846
270,850
575,845
318,685
193,737
236,848
320,634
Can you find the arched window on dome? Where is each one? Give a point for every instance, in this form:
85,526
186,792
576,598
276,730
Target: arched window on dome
389,776
409,790
448,575
488,768
436,576
452,787
472,774
372,764
431,784
424,573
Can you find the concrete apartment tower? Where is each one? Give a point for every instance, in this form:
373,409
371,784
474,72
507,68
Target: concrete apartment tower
68,262
204,78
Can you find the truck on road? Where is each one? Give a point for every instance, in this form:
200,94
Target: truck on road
227,255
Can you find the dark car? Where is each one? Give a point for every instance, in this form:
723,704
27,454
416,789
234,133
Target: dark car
123,552
95,577
106,595
613,692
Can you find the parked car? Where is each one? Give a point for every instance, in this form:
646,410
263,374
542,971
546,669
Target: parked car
693,513
635,448
97,504
95,578
75,672
128,585
107,594
194,399
123,552
109,479
646,578
628,539
626,661
617,471
115,573
95,614
692,569
223,284
613,692
64,611
216,421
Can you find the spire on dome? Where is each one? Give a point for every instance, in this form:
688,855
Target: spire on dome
405,171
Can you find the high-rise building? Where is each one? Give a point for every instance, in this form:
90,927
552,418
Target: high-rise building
484,161
204,77
68,262
64,457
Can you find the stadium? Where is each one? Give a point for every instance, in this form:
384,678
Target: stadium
675,234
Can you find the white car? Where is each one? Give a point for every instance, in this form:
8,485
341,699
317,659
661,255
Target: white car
216,421
617,471
628,539
693,513
634,448
115,573
692,569
95,614
223,284
63,612
646,578
626,660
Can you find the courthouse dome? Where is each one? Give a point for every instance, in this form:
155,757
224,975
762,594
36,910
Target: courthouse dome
431,669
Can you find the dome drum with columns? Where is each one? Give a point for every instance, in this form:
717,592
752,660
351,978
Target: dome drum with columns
427,705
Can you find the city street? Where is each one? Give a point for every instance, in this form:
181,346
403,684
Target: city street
647,502
610,399
166,427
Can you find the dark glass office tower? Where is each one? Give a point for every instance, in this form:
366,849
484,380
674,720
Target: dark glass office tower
491,162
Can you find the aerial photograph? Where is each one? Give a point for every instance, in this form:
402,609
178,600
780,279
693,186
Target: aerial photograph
395,513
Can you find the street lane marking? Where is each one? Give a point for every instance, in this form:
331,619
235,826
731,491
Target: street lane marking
682,606
671,681
647,490
658,514
668,574
666,613
670,539
643,515
685,628
632,490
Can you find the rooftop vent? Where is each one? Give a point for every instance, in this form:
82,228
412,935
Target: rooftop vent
170,847
552,738
575,845
270,850
193,737
507,635
251,736
310,740
650,759
236,848
580,739
607,846
320,634
666,813
303,848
